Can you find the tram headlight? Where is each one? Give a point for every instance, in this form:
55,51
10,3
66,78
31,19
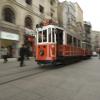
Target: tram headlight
41,52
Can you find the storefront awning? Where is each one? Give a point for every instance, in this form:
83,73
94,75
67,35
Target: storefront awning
9,36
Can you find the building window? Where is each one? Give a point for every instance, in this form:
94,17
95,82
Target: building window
28,23
8,15
52,2
41,9
29,2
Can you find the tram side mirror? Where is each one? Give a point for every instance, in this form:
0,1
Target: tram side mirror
37,25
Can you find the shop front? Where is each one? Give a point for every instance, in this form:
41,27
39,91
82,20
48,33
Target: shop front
10,41
30,40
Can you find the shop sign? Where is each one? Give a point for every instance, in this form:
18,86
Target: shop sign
9,36
29,32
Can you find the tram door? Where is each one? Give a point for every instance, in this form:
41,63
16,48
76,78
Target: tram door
59,41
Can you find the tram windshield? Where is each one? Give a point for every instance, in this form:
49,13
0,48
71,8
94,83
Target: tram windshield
51,35
46,35
42,36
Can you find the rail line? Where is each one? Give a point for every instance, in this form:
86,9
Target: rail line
17,71
14,76
20,75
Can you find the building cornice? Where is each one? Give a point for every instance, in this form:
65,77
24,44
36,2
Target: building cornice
29,9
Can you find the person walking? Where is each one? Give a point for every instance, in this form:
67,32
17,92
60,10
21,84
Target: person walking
4,54
22,54
27,52
99,52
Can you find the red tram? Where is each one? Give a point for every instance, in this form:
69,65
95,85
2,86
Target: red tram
55,45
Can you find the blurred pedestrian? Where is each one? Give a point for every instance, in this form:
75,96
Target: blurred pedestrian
27,52
99,52
4,53
22,54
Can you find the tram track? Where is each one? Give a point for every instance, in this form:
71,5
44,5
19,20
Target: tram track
24,72
15,72
20,75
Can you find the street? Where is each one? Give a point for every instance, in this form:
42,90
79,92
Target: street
78,81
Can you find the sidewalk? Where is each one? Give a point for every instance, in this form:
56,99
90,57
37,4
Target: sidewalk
9,59
13,59
11,70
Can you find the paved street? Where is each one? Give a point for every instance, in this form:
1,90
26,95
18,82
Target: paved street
79,81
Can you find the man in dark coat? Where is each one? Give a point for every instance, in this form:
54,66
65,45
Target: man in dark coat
27,52
22,53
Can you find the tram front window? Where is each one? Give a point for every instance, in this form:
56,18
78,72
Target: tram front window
40,36
44,35
49,34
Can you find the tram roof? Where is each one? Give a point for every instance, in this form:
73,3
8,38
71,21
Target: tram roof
52,26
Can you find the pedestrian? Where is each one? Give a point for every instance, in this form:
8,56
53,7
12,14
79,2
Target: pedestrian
22,54
99,52
27,52
4,53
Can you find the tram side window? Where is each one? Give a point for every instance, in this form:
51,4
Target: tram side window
40,36
49,34
83,45
75,42
44,35
53,35
69,39
79,43
59,36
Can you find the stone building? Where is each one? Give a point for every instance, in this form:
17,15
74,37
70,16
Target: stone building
72,18
67,20
63,14
18,20
95,40
79,20
87,34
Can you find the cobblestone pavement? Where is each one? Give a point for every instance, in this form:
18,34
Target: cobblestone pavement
79,81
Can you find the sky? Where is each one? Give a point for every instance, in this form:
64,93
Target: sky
91,12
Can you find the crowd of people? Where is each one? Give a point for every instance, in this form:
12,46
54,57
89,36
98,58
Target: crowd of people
24,52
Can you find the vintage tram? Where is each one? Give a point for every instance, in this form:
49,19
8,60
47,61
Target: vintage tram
55,45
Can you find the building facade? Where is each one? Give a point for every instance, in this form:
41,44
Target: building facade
18,20
72,18
95,40
87,34
63,14
68,18
79,20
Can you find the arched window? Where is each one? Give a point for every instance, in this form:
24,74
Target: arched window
8,15
28,22
29,2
